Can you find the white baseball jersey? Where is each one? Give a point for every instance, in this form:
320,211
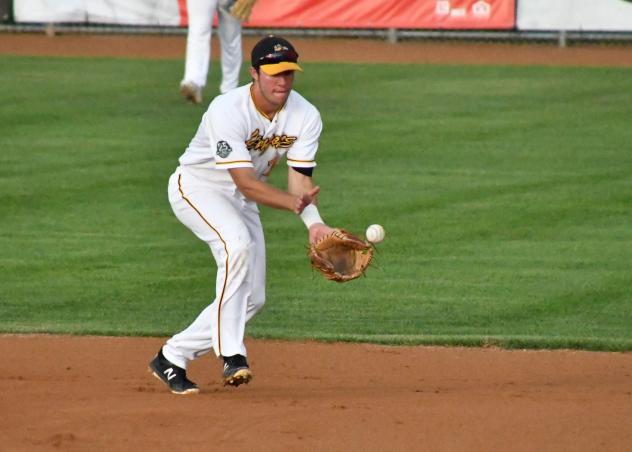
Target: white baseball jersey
203,196
234,134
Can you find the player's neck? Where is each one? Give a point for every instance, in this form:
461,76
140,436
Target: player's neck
263,106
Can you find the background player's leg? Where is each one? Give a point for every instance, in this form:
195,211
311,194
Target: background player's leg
229,33
198,50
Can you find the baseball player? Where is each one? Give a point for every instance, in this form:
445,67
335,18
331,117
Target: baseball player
198,51
215,190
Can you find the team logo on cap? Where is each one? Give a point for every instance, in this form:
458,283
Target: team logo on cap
223,149
279,47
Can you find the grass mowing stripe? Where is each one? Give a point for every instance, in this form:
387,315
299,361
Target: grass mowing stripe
505,194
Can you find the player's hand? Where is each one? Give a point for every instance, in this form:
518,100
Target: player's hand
305,199
318,230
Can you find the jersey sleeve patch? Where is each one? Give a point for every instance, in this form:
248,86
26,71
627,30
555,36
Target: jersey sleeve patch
223,149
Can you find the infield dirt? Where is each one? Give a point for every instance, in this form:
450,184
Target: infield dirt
330,50
95,393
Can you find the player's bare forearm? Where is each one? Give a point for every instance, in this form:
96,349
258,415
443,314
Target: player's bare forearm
263,193
299,184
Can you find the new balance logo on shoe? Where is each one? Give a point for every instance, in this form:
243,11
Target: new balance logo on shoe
170,373
173,376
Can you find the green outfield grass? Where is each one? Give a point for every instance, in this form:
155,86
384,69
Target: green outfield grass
506,194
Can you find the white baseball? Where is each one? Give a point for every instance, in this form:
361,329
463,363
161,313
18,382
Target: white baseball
375,233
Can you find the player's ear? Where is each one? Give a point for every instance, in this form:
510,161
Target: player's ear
254,73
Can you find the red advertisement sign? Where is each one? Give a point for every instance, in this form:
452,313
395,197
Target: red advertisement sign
411,14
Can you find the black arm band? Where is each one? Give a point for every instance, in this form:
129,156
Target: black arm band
305,171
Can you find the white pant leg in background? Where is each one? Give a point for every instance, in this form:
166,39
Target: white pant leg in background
229,33
198,53
232,229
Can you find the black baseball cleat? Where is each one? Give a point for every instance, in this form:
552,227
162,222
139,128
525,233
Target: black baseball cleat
173,376
236,370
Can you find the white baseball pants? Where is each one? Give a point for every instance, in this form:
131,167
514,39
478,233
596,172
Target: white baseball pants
220,216
198,52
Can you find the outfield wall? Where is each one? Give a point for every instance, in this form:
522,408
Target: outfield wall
511,15
576,15
426,14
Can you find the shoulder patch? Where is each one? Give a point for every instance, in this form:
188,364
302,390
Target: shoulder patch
223,149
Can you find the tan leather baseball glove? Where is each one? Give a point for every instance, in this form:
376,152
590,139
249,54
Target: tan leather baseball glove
341,256
241,9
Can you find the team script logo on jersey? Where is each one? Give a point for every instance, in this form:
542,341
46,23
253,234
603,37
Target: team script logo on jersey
223,149
257,142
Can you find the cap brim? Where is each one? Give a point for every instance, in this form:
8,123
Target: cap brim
274,69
